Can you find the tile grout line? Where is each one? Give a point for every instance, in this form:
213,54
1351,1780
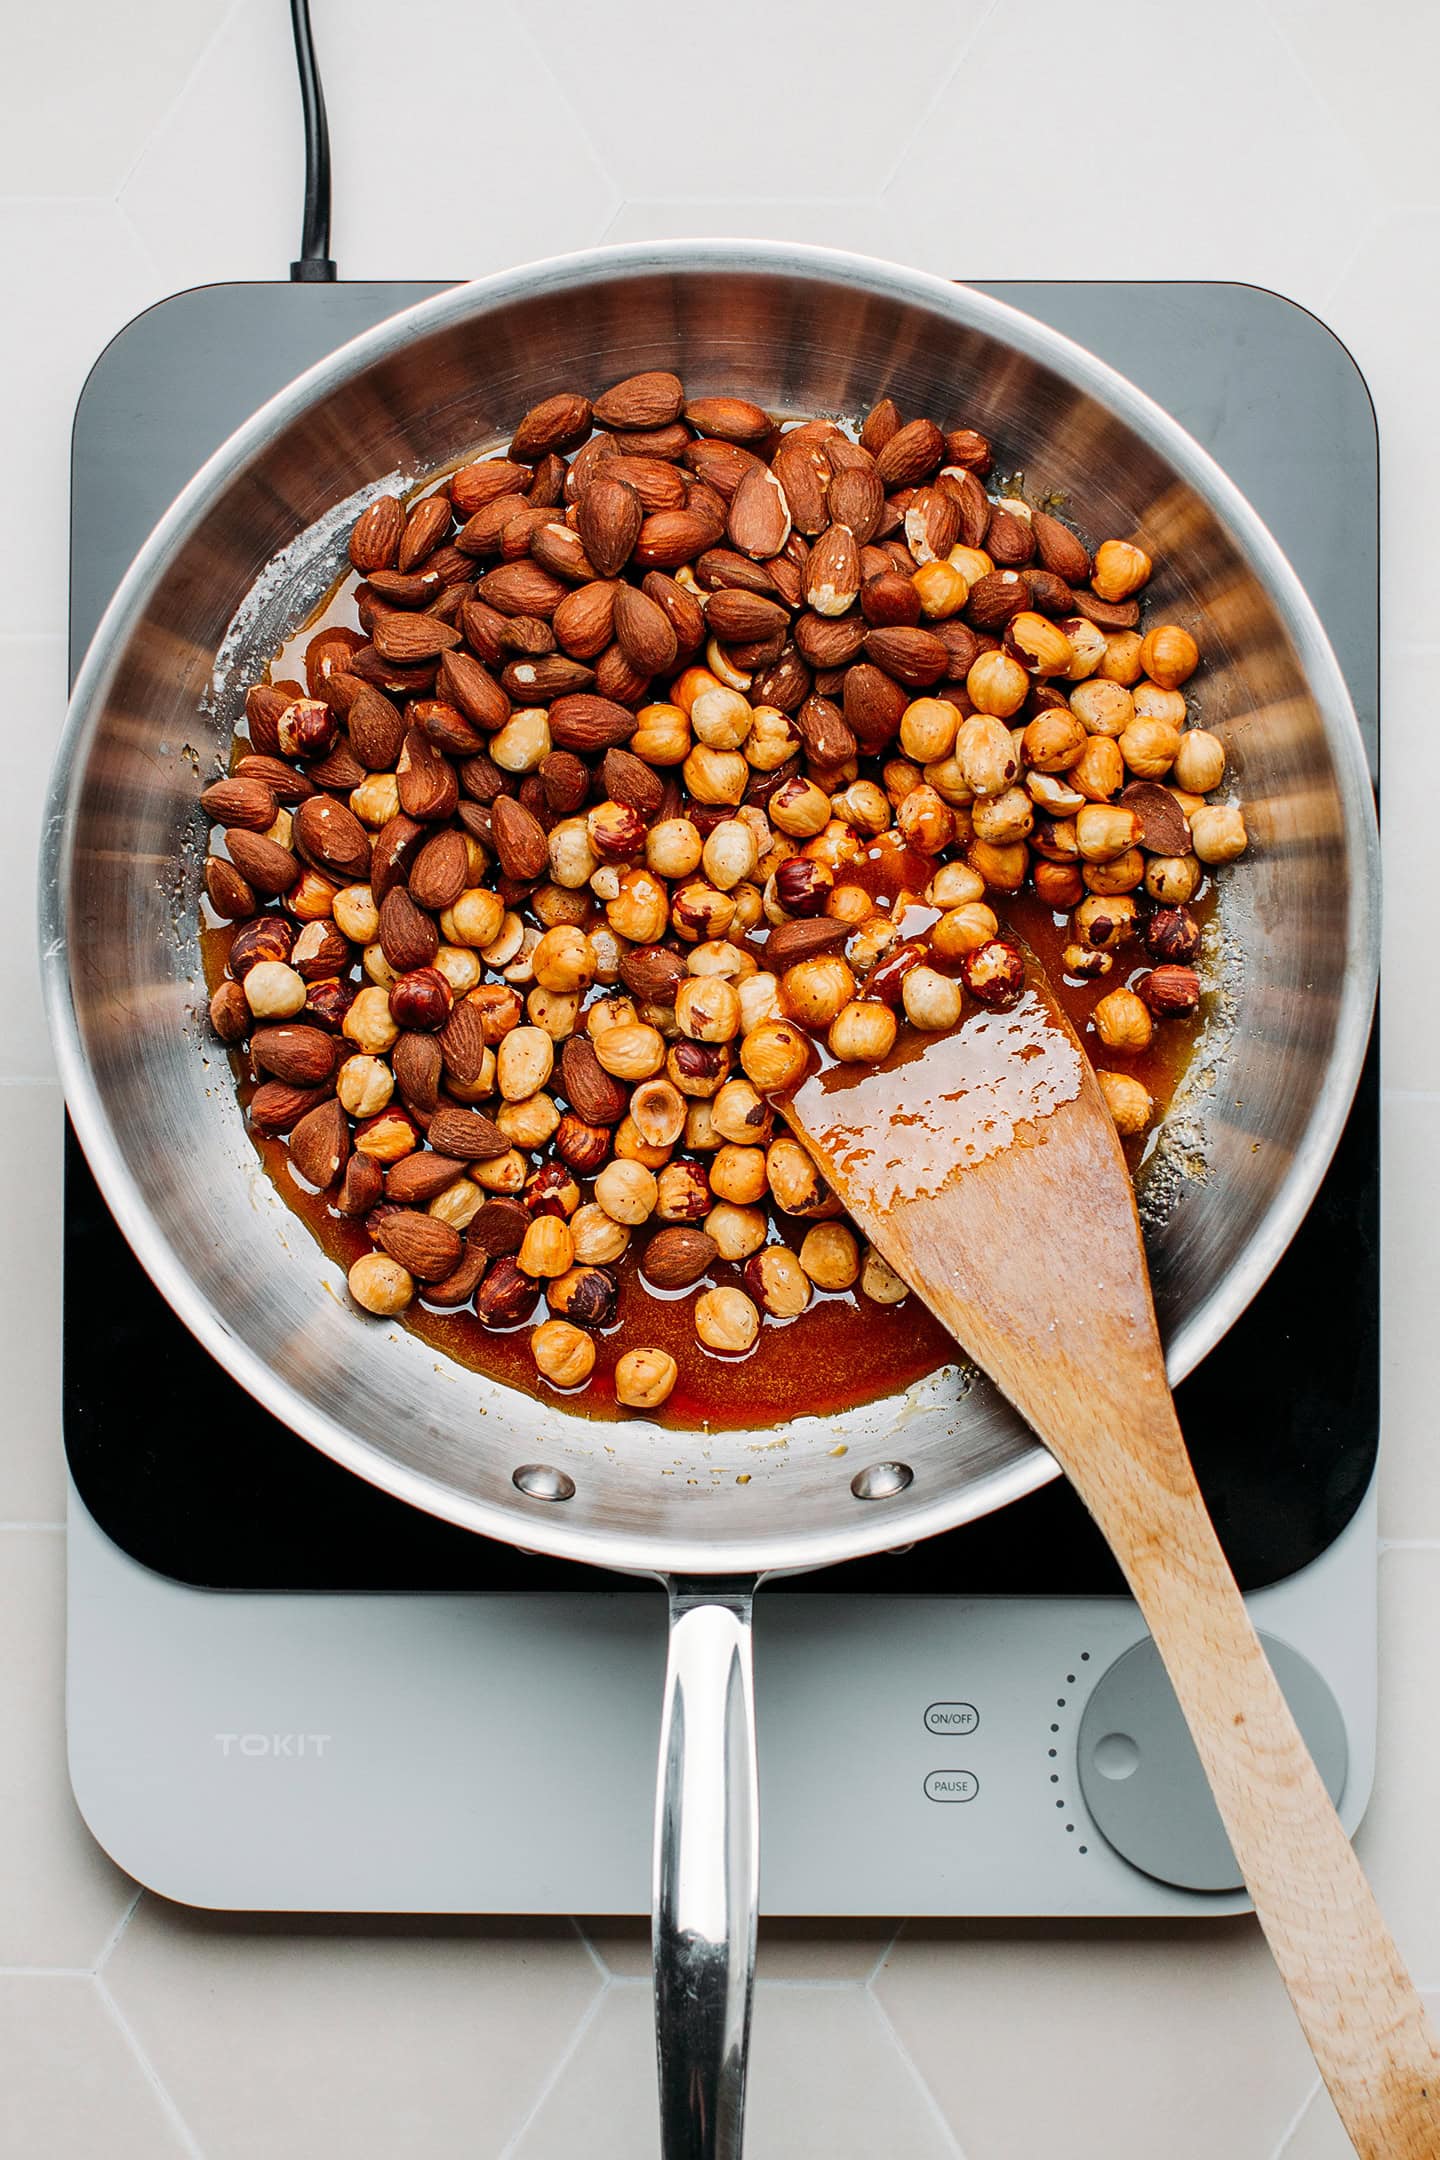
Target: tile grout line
1288,2133
562,2062
879,1966
907,2060
32,1526
182,93
594,1955
887,180
147,2069
112,1941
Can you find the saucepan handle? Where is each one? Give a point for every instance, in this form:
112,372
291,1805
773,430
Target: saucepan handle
707,1870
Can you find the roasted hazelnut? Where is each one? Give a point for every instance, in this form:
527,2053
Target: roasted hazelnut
421,1000
584,1147
1040,646
662,736
1123,875
1154,703
1053,742
627,1191
830,1256
862,1032
682,1193
737,1174
380,1284
931,1000
547,1248
716,776
1199,761
942,588
502,1173
802,887
964,929
730,854
364,1085
1173,879
273,990
775,1055
1128,1100
524,1062
1120,569
737,1231
1106,922
994,973
657,1110
1087,961
1122,656
814,991
1172,934
928,728
777,1282
597,1237
721,718
741,1115
997,685
727,1321
707,1009
879,1282
1170,992
1059,885
759,1000
307,728
529,1123
565,1355
698,1069
506,1296
376,800
389,1136
616,832
795,1183
717,956
1217,834
1169,655
631,1052
1122,1022
1103,707
799,809
926,820
644,1379
552,1191
701,911
1149,747
230,1014
523,744
1105,831
583,1295
673,848
476,919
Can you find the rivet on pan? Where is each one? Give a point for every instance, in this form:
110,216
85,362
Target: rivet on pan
881,1480
540,1482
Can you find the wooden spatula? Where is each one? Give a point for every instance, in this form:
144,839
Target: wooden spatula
985,1167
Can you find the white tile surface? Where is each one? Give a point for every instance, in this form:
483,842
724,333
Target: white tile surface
290,2038
482,136
70,2085
60,1897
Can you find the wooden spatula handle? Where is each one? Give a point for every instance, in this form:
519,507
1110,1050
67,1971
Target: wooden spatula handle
1360,2011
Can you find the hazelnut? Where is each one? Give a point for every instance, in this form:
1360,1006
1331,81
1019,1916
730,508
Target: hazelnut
775,1055
1199,761
1169,655
699,1070
523,744
953,885
380,1284
460,968
794,1181
273,990
1217,834
627,1191
420,1000
830,1256
721,718
506,1296
1123,875
1128,1101
800,809
1053,742
814,991
927,729
926,820
997,685
1149,747
528,1123
1106,922
1086,961
1173,879
802,887
738,1231
1170,992
942,587
502,1173
307,728
1040,646
741,1115
364,1085
931,1000
707,1009
616,832
1058,885
879,1282
564,959
863,805
556,1011
524,1062
1122,1022
547,1248
564,1354
699,912
964,929
682,1193
994,973
1104,831
597,1237
657,1109
1121,663
583,1295
726,1320
777,1282
645,1378
737,1174
632,1051
716,776
475,919
584,1147
862,1032
355,914
1172,934
1120,569
458,1205
388,1136
730,854
673,848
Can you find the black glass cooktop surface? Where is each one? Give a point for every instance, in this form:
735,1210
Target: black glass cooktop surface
190,1476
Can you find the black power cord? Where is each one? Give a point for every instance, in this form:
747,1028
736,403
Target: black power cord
315,266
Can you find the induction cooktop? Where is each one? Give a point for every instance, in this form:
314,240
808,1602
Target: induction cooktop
289,1689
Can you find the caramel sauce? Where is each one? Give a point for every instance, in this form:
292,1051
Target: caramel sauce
843,1350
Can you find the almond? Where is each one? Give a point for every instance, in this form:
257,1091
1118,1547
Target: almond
827,735
520,840
759,521
329,834
305,1056
973,503
829,642
677,1257
932,524
238,802
1164,827
559,550
803,940
881,423
800,467
418,1178
265,865
669,538
360,1187
341,770
462,1044
658,485
375,536
424,1244
473,486
277,1107
1059,549
1009,541
584,622
669,442
408,937
556,423
722,466
467,1134
650,400
521,588
320,1144
629,780
644,632
264,704
458,1287
285,783
856,497
428,787
586,723
535,682
416,1062
731,419
409,639
682,611
441,872
471,686
587,1087
608,517
446,727
967,447
832,573
995,597
1105,614
566,781
391,852
910,455
786,685
376,729
499,1227
484,533
915,657
733,616
228,893
425,528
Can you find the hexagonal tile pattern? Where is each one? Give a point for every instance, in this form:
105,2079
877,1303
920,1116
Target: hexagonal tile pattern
32,1468
291,2037
77,274
60,1898
36,688
825,2077
1378,89
95,81
1397,1840
788,1949
1132,2027
70,2086
1267,190
821,116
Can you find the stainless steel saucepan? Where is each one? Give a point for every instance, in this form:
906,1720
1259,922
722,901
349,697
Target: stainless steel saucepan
237,563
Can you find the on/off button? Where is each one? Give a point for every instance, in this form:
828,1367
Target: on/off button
953,1720
951,1785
